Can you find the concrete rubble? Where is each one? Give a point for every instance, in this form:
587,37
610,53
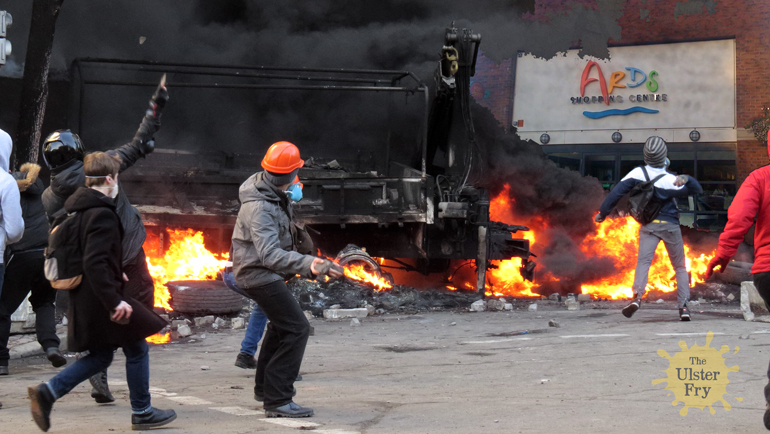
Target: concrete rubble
184,330
204,320
478,306
237,323
355,322
345,313
572,304
532,307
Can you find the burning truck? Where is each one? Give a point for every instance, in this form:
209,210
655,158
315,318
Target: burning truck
405,195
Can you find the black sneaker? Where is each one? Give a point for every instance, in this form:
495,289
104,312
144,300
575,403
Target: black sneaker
260,396
245,361
632,307
40,404
684,313
101,390
3,370
55,357
152,419
289,410
299,377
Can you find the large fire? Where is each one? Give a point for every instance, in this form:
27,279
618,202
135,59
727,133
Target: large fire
186,259
614,239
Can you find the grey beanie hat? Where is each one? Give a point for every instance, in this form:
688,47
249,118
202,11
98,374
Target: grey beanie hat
655,152
279,179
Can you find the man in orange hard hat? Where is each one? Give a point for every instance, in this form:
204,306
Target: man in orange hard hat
265,244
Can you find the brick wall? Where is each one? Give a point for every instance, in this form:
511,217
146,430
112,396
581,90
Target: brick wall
747,21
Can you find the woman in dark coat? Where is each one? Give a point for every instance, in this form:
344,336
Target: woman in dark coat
101,319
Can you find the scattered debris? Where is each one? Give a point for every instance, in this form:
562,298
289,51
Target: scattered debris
572,304
452,323
184,330
355,322
495,304
179,322
693,303
204,320
532,307
584,297
544,380
553,323
237,323
335,306
508,306
219,323
752,304
659,301
555,296
205,368
372,310
478,306
730,297
345,313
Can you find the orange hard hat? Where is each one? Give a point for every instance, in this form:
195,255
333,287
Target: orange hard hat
282,157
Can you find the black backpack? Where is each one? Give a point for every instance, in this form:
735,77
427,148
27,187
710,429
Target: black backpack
64,256
643,205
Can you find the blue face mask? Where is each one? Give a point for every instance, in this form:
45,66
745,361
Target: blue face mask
294,192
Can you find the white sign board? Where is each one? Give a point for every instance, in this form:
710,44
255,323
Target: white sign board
664,89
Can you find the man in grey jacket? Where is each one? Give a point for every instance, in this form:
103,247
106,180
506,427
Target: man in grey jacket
264,256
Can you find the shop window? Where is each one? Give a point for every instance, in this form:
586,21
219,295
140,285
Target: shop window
716,166
566,161
629,162
682,163
602,167
717,197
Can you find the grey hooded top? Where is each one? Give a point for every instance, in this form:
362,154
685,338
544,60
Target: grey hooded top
263,245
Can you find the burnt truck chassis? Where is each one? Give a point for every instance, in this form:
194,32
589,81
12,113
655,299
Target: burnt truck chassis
404,213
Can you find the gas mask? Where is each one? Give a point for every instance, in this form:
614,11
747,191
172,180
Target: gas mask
294,192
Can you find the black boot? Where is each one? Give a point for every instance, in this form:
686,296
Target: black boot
152,419
101,390
632,307
41,402
4,370
245,361
55,357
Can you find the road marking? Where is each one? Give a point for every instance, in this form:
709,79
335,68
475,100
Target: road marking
334,431
760,332
291,423
189,400
161,392
685,334
495,341
239,411
617,335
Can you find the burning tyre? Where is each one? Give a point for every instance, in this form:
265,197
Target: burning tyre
204,297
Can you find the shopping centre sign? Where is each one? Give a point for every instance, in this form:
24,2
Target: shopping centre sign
662,89
637,78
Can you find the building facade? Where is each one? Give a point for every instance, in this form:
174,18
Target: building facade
697,79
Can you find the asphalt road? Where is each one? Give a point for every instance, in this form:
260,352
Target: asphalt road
421,374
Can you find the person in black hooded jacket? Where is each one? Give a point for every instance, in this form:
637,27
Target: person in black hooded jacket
63,152
24,272
102,316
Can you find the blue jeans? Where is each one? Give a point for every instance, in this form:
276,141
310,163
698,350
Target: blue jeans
97,360
257,320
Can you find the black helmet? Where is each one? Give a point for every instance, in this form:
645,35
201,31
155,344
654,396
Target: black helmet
61,147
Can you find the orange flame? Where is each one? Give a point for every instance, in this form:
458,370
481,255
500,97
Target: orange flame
186,259
358,272
616,239
158,338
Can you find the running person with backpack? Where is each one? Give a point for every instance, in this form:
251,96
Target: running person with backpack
658,214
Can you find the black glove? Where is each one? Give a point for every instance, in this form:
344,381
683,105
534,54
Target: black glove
599,218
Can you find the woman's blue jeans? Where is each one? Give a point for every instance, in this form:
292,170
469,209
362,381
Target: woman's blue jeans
97,360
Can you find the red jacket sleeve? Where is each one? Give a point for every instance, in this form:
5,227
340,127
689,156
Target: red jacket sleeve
741,215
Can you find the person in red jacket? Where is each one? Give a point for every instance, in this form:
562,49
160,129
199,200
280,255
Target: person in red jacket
752,200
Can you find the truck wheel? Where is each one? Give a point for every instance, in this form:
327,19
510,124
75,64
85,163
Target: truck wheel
204,297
